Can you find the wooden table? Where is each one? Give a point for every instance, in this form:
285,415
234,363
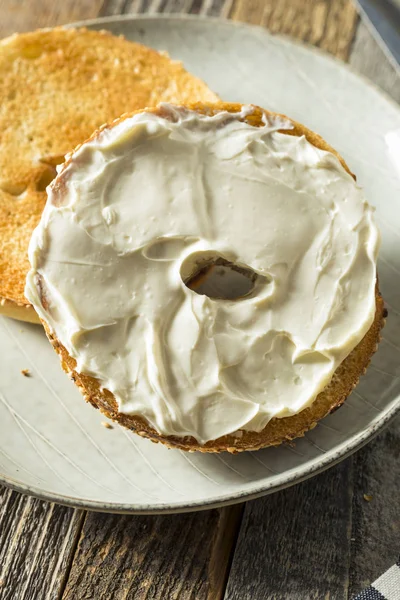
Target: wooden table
323,539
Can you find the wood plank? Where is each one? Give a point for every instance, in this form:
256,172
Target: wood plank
376,518
368,58
376,524
329,24
37,542
295,544
215,8
26,16
154,557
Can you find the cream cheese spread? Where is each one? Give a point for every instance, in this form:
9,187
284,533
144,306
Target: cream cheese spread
136,207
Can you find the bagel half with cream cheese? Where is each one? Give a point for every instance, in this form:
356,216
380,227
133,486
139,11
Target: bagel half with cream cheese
149,200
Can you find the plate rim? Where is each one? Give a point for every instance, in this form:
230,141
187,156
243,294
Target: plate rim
227,22
128,508
319,464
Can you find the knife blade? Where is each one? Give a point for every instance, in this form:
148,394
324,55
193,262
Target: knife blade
384,15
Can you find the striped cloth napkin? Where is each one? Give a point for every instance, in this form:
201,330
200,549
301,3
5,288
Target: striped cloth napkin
386,587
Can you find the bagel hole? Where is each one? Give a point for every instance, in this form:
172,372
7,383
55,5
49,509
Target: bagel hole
218,278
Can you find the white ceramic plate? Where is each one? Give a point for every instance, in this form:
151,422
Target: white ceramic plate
53,445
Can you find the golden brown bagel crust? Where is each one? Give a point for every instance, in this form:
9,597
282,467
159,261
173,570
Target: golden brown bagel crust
56,87
276,431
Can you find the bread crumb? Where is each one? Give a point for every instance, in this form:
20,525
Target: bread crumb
367,497
26,372
107,425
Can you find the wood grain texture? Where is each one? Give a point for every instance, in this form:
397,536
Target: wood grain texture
216,8
37,542
329,24
368,58
154,558
376,523
295,544
26,16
